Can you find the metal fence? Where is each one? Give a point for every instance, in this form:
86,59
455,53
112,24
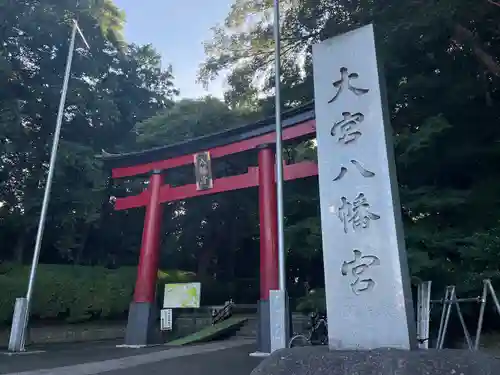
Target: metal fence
449,302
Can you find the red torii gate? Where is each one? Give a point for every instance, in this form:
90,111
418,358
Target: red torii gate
297,124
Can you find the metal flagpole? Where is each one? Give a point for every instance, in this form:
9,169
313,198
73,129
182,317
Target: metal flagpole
279,149
277,301
21,310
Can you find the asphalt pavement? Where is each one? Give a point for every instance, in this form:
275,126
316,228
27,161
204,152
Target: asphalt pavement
235,361
221,358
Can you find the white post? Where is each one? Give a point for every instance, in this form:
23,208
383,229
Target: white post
423,314
21,311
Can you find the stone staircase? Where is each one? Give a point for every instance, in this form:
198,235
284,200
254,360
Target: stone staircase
248,330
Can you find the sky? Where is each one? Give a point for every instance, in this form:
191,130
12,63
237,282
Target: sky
177,29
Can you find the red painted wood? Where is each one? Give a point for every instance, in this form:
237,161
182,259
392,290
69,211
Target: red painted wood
300,170
299,130
134,201
170,194
269,277
145,285
250,179
242,181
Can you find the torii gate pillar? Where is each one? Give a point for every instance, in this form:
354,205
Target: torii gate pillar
269,271
141,326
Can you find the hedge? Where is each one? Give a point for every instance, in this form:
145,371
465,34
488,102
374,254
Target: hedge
315,301
73,293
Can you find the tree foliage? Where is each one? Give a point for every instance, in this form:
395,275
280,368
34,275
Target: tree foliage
112,86
442,70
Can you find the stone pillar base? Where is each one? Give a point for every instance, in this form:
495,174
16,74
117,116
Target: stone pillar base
263,334
143,327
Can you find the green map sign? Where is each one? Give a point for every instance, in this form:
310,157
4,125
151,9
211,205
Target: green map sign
182,296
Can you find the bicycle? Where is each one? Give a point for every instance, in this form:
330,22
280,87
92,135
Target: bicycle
316,335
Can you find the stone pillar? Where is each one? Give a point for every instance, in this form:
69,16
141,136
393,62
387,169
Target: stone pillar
367,283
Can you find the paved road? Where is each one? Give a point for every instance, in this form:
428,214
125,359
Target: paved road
222,358
58,355
234,361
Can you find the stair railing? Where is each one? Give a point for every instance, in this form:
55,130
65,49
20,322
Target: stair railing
223,313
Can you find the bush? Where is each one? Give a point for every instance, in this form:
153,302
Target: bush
80,293
314,301
73,293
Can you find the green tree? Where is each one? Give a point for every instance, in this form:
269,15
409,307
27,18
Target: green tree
216,235
112,87
188,119
442,71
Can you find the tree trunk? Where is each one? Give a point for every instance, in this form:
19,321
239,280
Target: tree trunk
465,36
19,249
83,245
204,263
230,255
